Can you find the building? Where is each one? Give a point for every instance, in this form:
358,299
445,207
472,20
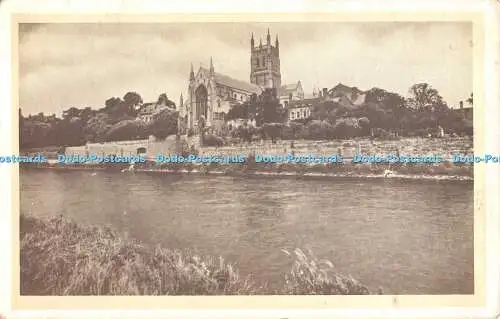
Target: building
466,112
211,94
345,95
265,63
147,111
300,110
291,92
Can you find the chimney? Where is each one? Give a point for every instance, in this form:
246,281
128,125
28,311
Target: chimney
461,104
325,92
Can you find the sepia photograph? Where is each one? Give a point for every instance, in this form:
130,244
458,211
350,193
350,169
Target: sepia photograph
246,158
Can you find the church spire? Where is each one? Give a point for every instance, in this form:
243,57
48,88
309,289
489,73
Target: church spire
191,74
181,101
268,37
277,42
252,42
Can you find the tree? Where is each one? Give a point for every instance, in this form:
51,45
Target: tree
268,108
470,100
131,99
70,113
424,97
125,130
163,100
164,124
364,125
113,106
239,111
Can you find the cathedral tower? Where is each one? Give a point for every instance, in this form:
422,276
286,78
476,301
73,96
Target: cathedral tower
265,63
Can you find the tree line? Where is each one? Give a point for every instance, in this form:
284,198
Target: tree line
117,120
383,114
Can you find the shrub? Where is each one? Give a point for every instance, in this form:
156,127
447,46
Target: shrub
213,140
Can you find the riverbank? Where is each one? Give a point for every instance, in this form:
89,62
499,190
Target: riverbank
60,257
416,171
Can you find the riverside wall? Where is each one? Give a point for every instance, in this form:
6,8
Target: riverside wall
347,148
405,146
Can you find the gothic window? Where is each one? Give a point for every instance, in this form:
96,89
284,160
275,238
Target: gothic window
201,101
258,64
263,62
218,103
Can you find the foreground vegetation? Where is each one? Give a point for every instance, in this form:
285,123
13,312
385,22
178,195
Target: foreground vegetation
60,257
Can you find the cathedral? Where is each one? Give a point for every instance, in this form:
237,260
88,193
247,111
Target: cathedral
211,95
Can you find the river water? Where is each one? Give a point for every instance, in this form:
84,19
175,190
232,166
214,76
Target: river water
406,237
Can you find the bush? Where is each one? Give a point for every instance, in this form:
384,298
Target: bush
213,140
317,130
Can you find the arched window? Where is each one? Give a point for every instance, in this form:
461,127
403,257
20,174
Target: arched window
201,101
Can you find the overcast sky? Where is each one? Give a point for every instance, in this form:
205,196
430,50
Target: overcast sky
65,65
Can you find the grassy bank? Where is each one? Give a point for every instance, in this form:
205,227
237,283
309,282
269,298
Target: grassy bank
60,257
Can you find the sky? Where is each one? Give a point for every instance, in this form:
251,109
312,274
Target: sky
62,65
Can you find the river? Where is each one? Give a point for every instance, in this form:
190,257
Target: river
406,237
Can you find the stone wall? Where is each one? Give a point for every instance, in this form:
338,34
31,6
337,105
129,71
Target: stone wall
408,146
125,148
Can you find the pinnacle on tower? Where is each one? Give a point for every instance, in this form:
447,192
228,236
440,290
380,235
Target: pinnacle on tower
252,42
191,74
181,101
211,65
261,42
268,37
277,42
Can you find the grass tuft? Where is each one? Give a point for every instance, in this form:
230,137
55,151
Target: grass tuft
310,275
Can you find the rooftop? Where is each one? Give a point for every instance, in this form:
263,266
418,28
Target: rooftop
234,83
